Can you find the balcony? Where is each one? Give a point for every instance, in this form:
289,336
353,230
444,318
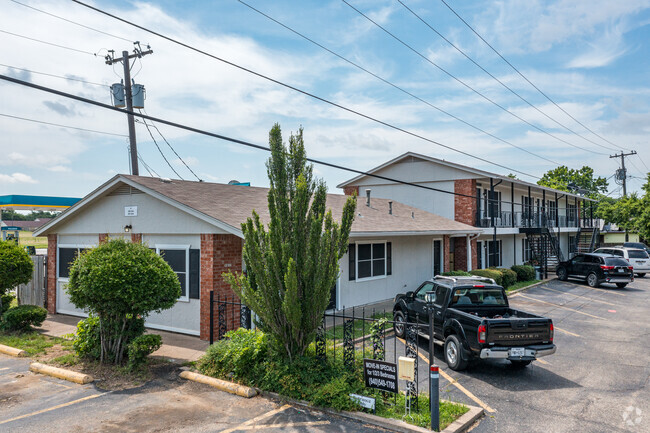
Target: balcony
508,219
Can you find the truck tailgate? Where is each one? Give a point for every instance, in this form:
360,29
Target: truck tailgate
518,331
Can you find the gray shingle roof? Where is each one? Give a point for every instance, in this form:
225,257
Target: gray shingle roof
232,204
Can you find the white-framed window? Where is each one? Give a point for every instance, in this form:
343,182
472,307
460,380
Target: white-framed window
526,252
495,259
371,260
65,255
178,258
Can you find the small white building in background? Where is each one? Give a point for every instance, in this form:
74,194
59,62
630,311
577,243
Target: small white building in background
197,228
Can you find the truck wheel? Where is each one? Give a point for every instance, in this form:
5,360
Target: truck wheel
641,275
520,364
562,274
454,354
592,280
399,323
621,285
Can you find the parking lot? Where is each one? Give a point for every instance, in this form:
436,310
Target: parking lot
36,403
596,382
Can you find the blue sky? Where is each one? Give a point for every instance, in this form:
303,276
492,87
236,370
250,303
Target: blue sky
590,57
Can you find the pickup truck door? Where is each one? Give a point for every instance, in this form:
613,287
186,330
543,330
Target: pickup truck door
438,311
419,310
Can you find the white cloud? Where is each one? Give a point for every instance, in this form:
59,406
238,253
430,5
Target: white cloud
16,178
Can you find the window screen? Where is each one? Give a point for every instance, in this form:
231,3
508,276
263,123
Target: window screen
66,257
176,259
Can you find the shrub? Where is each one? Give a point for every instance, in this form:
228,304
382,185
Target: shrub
15,268
5,303
509,277
23,317
524,272
456,274
240,352
87,342
489,273
141,347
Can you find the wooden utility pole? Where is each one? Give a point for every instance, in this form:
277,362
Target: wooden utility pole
623,177
125,59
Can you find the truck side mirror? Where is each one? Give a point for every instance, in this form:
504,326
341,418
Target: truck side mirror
430,297
409,294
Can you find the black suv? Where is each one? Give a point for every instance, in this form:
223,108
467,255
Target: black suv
596,269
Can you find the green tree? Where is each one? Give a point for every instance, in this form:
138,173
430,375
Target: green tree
292,266
643,220
561,177
120,281
15,268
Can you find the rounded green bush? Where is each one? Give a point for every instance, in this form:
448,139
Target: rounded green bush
87,342
456,274
524,272
509,277
23,317
489,273
238,353
141,347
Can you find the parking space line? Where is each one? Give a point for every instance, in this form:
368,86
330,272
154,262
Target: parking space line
245,424
578,296
454,382
543,362
49,409
283,425
565,331
594,288
559,306
4,368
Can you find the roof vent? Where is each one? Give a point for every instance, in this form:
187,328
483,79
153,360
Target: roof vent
165,180
390,208
368,197
412,214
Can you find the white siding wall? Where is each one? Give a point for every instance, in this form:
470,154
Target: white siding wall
412,264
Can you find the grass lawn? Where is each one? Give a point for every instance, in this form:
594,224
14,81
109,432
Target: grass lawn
26,239
449,412
32,342
360,328
521,284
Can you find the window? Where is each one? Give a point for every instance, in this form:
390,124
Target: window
526,252
422,291
494,259
185,263
369,260
441,295
67,255
572,244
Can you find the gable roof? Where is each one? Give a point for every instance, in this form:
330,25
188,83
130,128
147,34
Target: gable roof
228,206
465,168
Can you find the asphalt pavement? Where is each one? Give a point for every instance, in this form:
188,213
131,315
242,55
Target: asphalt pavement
597,381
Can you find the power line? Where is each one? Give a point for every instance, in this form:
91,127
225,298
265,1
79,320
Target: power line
159,149
71,22
62,126
225,138
497,79
401,89
174,150
55,76
465,84
643,162
525,78
48,43
144,164
304,92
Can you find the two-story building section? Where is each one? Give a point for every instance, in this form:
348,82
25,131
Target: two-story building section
521,221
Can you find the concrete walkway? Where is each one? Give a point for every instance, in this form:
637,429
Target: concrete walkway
178,348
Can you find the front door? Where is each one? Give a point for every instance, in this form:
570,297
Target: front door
437,258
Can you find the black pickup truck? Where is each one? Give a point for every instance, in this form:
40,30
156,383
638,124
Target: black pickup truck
473,319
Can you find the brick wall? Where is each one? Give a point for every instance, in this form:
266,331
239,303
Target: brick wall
350,190
136,238
219,254
461,254
446,260
465,207
51,274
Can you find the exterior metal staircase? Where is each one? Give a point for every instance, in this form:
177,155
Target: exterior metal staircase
587,240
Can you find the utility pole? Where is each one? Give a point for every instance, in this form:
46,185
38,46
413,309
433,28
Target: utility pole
621,176
125,59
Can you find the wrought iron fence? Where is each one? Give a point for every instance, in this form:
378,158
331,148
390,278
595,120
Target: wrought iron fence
348,335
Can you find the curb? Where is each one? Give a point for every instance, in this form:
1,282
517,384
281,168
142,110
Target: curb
12,351
458,426
61,373
221,385
531,286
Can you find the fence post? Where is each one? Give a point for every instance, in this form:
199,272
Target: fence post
211,316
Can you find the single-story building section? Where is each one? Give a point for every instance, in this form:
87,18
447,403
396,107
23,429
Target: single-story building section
196,226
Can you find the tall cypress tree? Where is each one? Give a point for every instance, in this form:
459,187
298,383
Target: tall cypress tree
292,266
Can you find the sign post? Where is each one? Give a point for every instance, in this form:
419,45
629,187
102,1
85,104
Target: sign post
434,374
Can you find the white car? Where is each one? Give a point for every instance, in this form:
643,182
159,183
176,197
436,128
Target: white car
637,258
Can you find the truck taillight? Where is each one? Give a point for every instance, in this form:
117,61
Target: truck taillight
551,332
482,334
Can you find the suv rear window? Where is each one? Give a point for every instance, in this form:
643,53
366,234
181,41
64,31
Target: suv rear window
637,254
615,261
635,245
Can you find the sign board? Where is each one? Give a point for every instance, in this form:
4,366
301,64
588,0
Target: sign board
363,401
130,211
406,368
380,375
11,228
